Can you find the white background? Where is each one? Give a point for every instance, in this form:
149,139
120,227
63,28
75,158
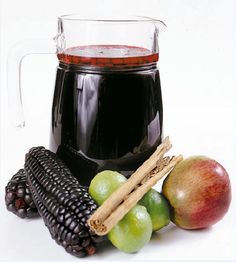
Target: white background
197,66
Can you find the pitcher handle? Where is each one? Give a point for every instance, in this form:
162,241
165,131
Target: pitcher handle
14,61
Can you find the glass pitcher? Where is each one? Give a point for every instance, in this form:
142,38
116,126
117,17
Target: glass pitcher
107,105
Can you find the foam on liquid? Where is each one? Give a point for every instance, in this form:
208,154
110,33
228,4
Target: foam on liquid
108,56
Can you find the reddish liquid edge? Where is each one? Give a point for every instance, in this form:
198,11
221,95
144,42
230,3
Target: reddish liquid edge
108,56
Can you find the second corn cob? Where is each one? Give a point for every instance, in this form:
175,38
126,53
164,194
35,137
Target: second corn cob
63,203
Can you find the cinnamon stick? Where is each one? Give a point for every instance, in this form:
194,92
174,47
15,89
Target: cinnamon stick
102,227
118,196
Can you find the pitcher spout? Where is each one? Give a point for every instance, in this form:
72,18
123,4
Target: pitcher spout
158,26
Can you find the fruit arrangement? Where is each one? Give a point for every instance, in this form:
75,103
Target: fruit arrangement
196,193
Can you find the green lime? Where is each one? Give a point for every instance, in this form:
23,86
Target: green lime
157,207
105,183
133,231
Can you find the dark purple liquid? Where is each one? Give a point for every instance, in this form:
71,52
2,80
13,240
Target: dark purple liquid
106,118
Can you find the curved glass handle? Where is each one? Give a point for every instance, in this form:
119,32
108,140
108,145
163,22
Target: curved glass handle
15,57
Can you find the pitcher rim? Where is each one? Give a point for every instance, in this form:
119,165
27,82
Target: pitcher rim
113,19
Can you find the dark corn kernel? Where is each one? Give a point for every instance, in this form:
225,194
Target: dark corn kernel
18,197
63,203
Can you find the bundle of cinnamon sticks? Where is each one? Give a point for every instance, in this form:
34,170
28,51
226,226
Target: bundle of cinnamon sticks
118,204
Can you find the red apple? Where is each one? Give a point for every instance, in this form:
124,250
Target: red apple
199,192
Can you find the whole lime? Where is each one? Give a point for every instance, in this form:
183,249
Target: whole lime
133,231
105,183
157,207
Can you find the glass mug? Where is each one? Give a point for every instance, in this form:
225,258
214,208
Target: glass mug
107,105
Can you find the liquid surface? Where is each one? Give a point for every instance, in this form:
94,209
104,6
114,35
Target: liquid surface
108,119
108,56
